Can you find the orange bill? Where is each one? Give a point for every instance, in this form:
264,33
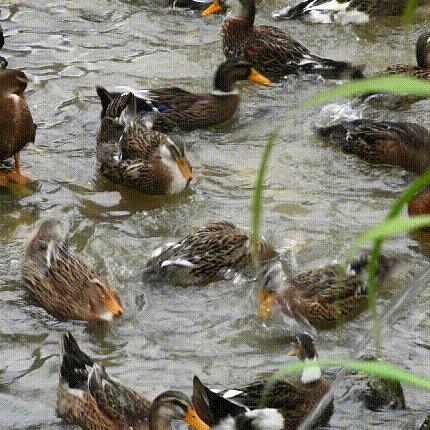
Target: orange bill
185,168
267,298
258,77
114,305
192,419
215,7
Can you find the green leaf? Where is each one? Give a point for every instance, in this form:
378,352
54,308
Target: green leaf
408,13
375,368
399,84
257,200
389,228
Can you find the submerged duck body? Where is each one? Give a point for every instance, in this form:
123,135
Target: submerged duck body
206,255
63,284
422,52
89,398
341,11
287,404
17,128
400,144
132,155
270,50
172,108
324,297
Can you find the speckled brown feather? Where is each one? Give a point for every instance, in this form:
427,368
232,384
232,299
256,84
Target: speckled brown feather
401,144
210,251
16,123
420,204
129,156
62,283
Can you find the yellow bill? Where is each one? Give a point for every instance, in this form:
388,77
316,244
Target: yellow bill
267,298
258,77
192,419
215,7
185,168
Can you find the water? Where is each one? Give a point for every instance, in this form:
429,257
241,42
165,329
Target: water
317,200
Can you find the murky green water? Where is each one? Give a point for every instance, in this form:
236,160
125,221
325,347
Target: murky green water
317,200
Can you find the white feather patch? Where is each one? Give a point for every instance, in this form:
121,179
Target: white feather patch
266,419
177,262
231,393
107,316
311,374
76,392
50,254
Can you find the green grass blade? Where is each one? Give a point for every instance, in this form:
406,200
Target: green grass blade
257,200
408,13
375,368
409,193
399,84
387,229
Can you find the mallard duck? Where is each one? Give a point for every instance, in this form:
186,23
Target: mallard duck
420,204
175,107
324,297
62,283
131,154
89,398
287,404
397,143
270,50
422,69
16,123
341,11
206,256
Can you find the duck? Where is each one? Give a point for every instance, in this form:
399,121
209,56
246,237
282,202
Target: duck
17,128
324,297
270,50
420,205
174,107
422,52
136,156
341,11
403,144
62,283
89,398
289,401
3,61
206,255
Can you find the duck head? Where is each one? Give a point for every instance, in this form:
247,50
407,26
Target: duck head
423,51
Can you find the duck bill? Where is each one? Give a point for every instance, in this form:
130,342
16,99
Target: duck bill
258,77
215,7
114,306
185,168
294,352
266,299
192,419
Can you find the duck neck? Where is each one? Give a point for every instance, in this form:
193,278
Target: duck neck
242,14
156,421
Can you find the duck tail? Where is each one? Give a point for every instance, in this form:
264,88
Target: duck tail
105,98
294,12
331,69
1,38
74,363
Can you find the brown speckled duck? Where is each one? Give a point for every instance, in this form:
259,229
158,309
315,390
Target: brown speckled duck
131,154
341,11
287,405
270,50
397,143
16,123
206,256
89,398
176,108
63,284
324,297
420,204
422,69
